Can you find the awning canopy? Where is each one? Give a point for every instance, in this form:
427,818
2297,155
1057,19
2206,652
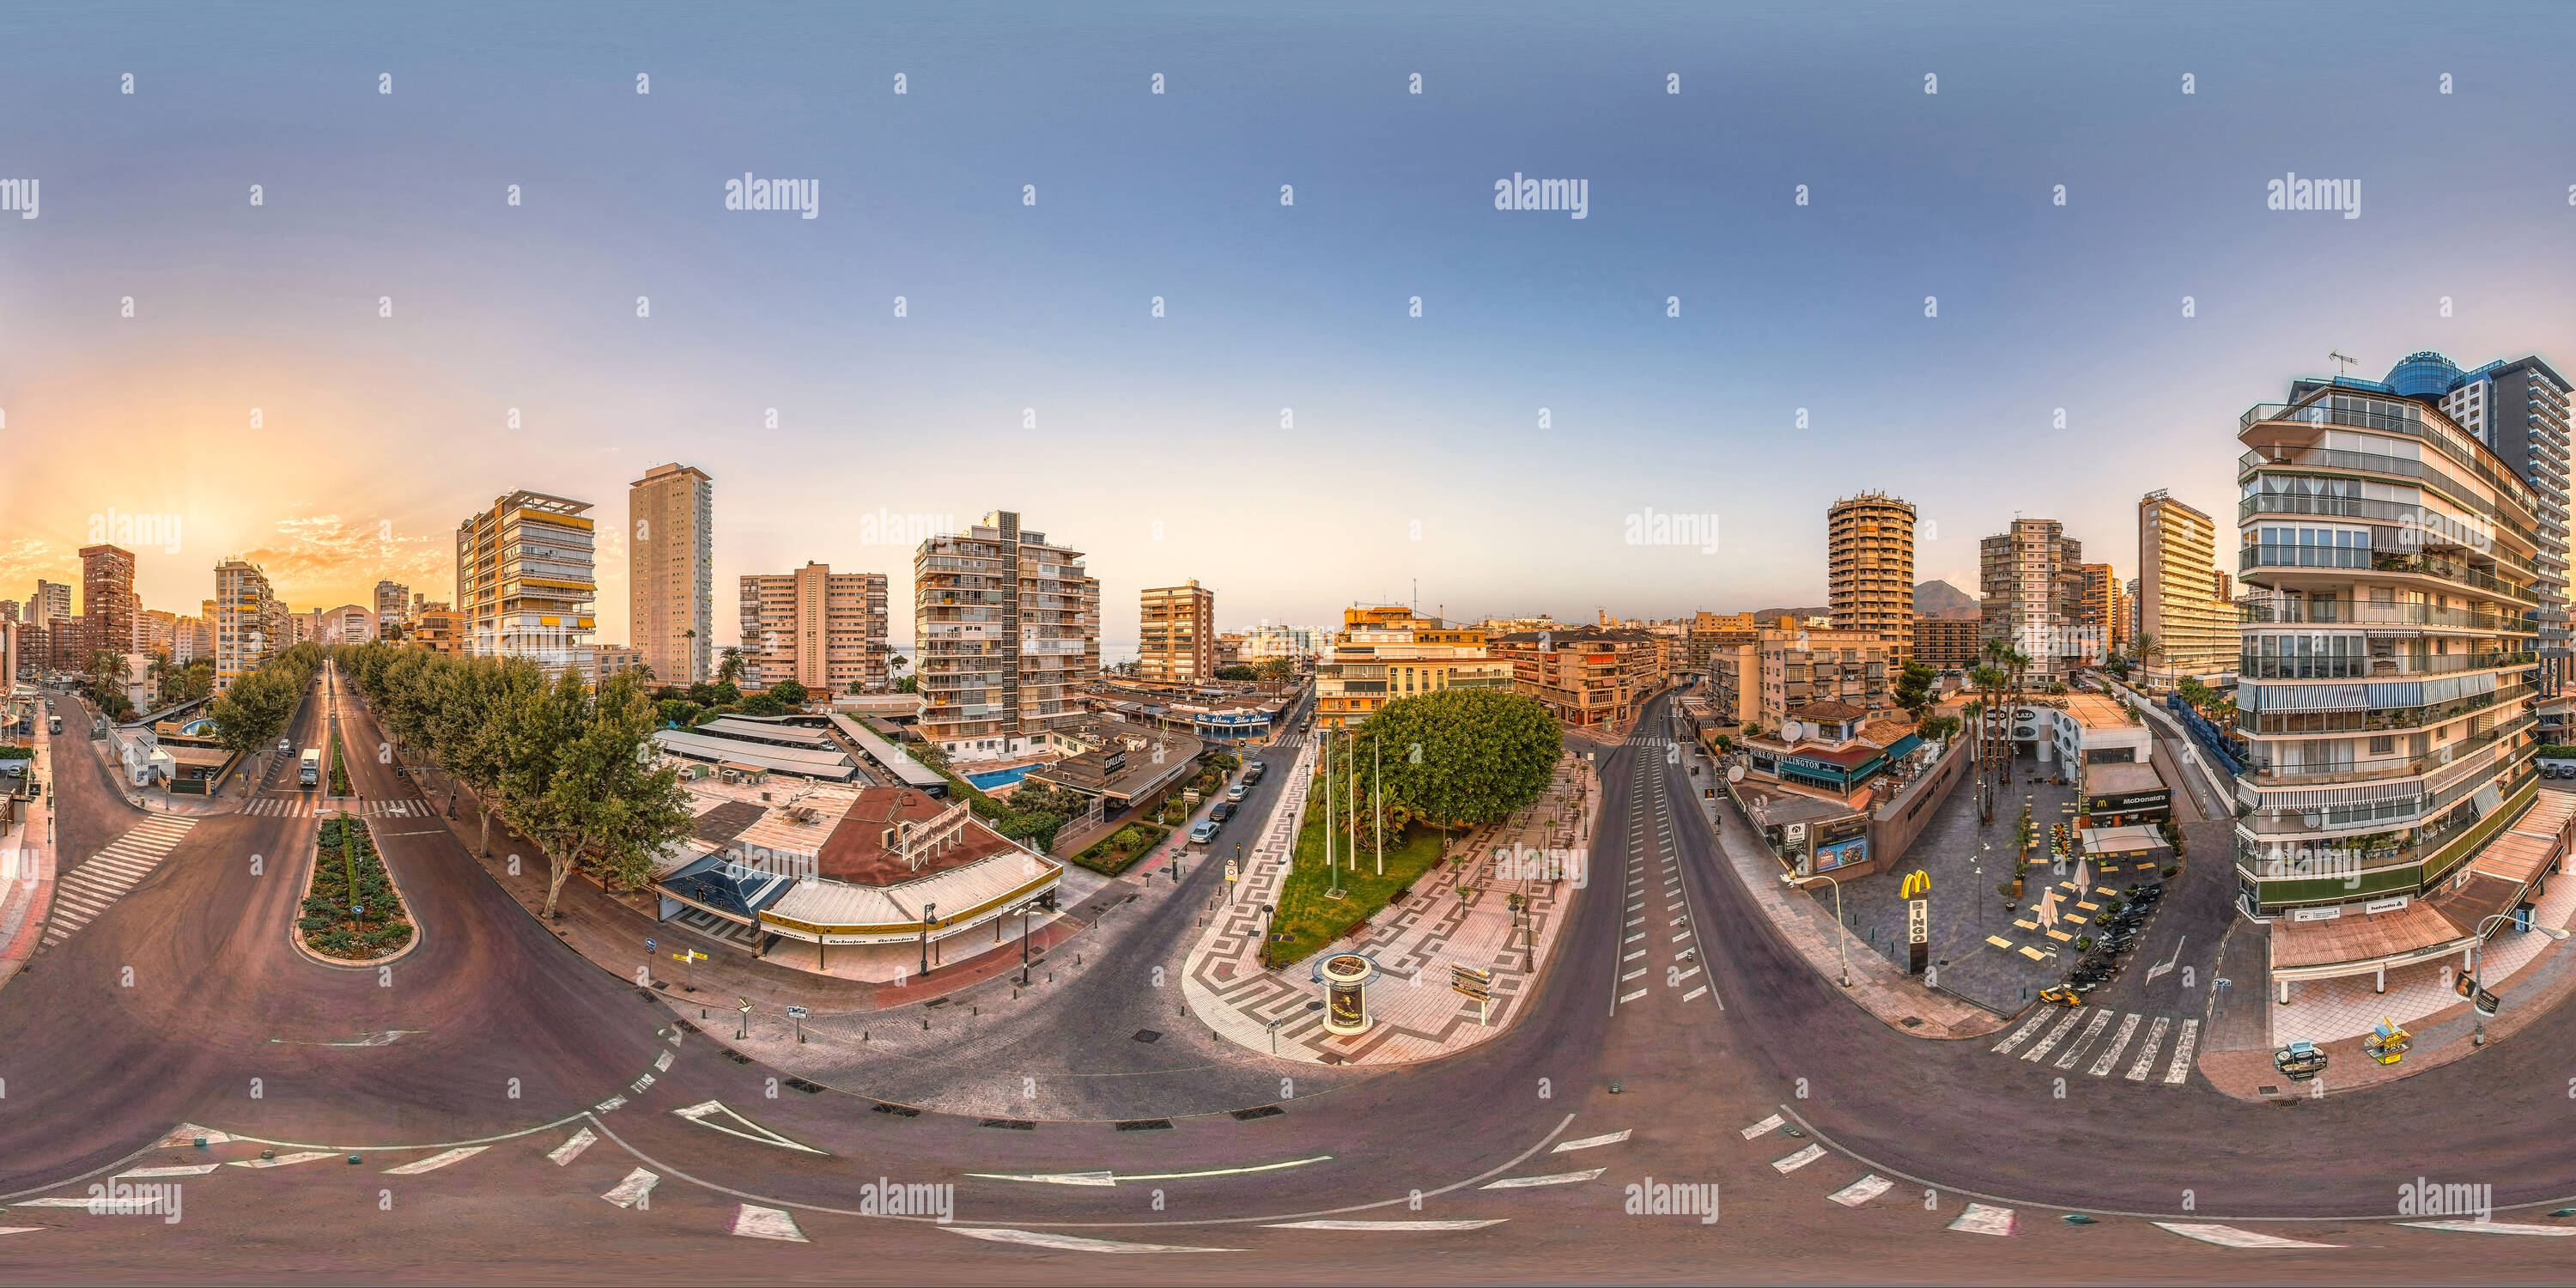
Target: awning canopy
2122,840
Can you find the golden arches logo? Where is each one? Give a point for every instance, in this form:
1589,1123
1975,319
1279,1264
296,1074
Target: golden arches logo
1916,885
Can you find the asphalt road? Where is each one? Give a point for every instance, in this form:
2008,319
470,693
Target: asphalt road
506,1040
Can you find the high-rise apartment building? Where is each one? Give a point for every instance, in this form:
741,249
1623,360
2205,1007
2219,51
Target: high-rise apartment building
1006,625
671,571
2189,629
2106,606
1388,652
1947,644
1177,633
825,630
192,639
1587,677
53,603
2388,559
156,631
107,599
1869,568
2032,581
347,624
248,621
2518,408
526,579
393,605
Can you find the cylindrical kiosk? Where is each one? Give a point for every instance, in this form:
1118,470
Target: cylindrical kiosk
1346,979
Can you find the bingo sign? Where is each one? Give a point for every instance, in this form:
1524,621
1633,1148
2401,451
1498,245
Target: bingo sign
1842,853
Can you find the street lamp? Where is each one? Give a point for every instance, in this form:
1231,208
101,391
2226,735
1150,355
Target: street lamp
1024,943
1842,942
928,912
2478,982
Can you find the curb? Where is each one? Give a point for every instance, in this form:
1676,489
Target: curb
295,933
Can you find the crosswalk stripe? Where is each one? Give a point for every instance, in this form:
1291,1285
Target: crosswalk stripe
2119,1042
1982,1218
1800,1159
1468,1224
637,1184
1685,974
2049,1043
2022,1034
2147,1052
436,1161
571,1148
1591,1142
2228,1236
2181,1069
1072,1242
1557,1178
1862,1190
1771,1123
2092,1029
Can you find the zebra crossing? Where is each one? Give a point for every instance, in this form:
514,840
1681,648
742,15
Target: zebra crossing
312,807
1650,833
2069,1034
84,892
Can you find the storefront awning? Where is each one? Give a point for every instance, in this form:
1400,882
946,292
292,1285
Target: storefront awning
2122,840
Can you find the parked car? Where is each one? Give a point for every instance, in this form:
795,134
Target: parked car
1234,793
1203,831
1222,811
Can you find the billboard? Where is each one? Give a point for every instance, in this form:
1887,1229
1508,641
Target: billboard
1843,853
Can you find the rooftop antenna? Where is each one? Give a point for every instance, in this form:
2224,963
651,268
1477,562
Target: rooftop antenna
2336,355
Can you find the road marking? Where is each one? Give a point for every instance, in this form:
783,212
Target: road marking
22,1229
1074,1242
1862,1190
436,1161
662,1063
1556,1178
637,1184
611,1103
1982,1218
2020,1035
1635,955
2181,1068
641,1084
192,1169
282,1160
705,1112
2147,1053
2167,964
1635,937
51,1203
2494,1227
2092,1029
571,1149
767,1223
2228,1236
1678,938
1634,996
1771,1123
2046,1044
1631,975
2119,1042
1589,1142
1695,993
1387,1225
1800,1159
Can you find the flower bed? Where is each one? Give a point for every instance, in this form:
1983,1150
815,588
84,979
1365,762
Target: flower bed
349,875
339,771
1112,854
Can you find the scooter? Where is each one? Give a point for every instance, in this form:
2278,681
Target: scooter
2061,996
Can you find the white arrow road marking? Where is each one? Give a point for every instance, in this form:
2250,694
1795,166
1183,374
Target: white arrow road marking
1771,1123
281,1160
1981,1218
1074,1242
1862,1190
2228,1236
1590,1141
637,1184
1800,1159
1532,1182
2494,1227
767,1223
571,1149
188,1169
186,1135
22,1229
2167,964
1049,1178
704,1113
1386,1225
435,1161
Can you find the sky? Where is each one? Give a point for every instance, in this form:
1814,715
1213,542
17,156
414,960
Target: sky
329,379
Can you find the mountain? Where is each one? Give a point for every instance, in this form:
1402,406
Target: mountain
1940,600
1763,616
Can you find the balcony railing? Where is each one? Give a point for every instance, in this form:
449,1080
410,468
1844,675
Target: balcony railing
2265,610
2253,666
2280,723
2268,773
2372,462
2399,419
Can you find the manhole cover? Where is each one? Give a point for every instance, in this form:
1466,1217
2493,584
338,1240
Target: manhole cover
1146,1124
1913,1021
1148,1035
2267,1091
1009,1124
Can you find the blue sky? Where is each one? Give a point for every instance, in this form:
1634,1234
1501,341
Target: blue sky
1416,452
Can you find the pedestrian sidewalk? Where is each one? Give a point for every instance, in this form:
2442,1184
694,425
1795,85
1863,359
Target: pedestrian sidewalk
1878,985
1415,1015
27,868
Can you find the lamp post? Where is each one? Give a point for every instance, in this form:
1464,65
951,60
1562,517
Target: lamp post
929,911
1842,942
2478,981
1024,943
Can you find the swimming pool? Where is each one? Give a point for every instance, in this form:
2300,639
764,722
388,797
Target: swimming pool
992,778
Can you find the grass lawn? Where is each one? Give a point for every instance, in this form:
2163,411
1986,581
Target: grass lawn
1311,921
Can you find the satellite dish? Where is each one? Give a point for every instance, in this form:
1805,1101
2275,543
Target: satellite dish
1735,773
1792,730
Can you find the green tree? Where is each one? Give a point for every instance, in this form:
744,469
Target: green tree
763,704
790,692
1461,756
1277,670
605,794
1914,688
678,712
731,668
908,684
1238,673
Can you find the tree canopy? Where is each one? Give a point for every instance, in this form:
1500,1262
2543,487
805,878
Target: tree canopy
1463,756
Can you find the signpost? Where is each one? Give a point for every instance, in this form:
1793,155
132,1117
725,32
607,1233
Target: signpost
797,1013
687,957
1915,891
1474,982
743,1004
2468,987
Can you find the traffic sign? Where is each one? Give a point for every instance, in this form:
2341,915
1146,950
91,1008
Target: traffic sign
1472,981
796,1012
649,945
1230,873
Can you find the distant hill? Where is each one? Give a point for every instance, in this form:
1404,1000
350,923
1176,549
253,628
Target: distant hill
1940,600
1762,615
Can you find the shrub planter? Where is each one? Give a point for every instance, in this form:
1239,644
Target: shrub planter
348,873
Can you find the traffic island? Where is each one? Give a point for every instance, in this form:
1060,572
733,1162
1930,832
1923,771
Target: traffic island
352,914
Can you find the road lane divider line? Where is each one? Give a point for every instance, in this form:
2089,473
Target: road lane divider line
1387,1225
1073,1242
1554,1178
436,1161
1862,1190
1594,1142
283,1160
2494,1227
1793,1162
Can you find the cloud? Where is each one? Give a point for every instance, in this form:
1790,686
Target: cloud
315,553
25,559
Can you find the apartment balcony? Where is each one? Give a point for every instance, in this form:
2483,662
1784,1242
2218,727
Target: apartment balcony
2294,426
2264,610
2258,559
2252,666
2258,819
2266,772
2366,721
